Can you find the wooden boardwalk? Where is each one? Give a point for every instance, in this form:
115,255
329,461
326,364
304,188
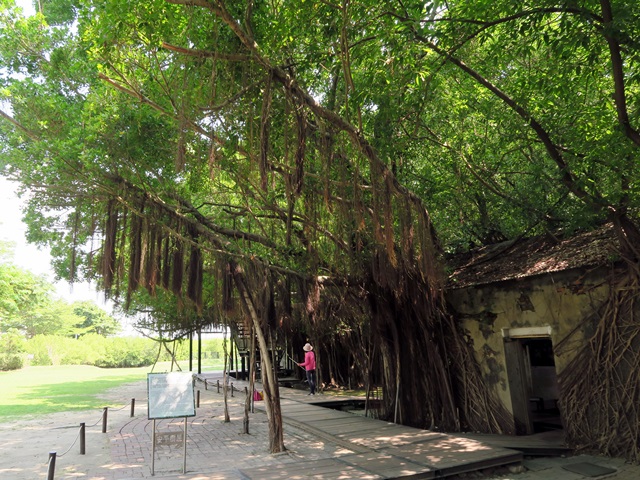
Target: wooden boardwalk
544,444
375,449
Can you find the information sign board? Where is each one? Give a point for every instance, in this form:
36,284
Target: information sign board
170,395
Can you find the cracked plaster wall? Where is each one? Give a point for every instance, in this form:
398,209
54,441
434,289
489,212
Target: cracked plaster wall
566,301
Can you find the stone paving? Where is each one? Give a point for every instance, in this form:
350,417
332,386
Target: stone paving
219,450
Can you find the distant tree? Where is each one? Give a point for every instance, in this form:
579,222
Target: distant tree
27,304
21,294
6,251
95,319
11,350
53,317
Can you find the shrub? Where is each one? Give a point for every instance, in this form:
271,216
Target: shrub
11,361
128,352
91,349
11,351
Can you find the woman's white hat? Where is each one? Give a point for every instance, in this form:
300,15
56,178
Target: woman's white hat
307,347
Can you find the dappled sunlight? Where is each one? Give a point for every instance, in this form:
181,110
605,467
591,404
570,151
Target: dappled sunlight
121,466
375,439
319,469
386,465
546,265
449,451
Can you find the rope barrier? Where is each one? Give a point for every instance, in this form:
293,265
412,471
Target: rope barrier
218,387
99,420
70,446
51,461
113,409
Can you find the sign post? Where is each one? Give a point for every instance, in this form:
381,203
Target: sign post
170,396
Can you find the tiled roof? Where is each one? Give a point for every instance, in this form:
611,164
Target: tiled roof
532,256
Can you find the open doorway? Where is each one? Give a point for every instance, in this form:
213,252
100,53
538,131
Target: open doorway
543,401
533,383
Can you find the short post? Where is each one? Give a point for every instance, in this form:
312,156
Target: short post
206,385
104,419
232,389
83,449
198,399
247,404
51,470
218,384
133,407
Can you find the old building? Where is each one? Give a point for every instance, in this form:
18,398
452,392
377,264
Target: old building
529,307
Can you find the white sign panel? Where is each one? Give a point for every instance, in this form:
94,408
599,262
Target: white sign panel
170,395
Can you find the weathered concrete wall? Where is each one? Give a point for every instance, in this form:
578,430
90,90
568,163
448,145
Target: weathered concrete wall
564,301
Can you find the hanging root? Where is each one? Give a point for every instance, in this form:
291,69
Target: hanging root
601,387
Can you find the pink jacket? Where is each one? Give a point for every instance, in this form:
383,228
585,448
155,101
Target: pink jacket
309,361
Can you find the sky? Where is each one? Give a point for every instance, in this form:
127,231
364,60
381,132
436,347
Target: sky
30,257
27,6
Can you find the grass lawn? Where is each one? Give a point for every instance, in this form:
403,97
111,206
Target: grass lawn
43,390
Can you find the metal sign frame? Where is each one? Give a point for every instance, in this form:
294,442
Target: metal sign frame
170,395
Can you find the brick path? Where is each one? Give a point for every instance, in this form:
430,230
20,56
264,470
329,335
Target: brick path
216,449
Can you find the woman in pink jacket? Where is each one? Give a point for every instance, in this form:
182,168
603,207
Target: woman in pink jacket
309,365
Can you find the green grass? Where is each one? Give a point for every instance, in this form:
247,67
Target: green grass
44,390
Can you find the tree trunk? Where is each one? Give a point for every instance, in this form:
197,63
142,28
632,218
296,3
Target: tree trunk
269,380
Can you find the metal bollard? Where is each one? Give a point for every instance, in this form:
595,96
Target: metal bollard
104,419
51,470
218,383
232,389
133,407
198,399
83,449
206,385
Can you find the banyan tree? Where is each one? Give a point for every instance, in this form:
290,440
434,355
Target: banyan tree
278,163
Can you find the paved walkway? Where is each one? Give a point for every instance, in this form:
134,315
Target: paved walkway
219,450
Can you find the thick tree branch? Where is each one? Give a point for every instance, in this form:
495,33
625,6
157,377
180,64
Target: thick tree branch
19,126
619,95
566,176
193,52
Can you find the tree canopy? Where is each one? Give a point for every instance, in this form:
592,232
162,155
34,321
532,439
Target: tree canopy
28,306
306,164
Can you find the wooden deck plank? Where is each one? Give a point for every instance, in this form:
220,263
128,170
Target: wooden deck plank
543,443
340,420
319,469
380,439
389,466
305,407
376,449
362,428
314,411
330,423
455,454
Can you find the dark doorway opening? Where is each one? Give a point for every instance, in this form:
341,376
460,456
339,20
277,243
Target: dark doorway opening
533,384
543,381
